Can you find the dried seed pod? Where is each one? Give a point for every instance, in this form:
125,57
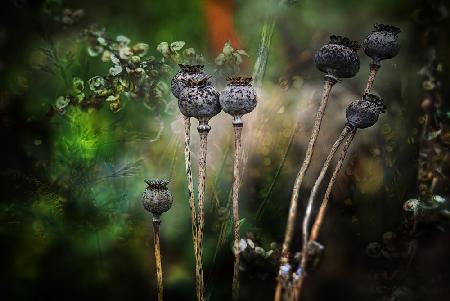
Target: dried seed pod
187,72
238,97
382,43
199,99
157,198
364,113
338,58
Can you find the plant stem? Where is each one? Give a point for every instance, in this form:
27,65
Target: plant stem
320,216
299,282
237,124
192,206
316,186
159,275
203,130
372,73
328,84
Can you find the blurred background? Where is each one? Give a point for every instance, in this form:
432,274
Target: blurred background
73,163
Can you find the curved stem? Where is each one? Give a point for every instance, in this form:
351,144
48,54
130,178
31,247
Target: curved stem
192,206
159,275
372,73
203,130
235,198
316,186
320,216
328,84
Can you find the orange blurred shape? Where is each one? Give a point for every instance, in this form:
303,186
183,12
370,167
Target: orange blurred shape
219,18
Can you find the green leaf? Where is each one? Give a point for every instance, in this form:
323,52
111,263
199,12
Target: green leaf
242,52
227,49
220,59
163,48
77,85
176,46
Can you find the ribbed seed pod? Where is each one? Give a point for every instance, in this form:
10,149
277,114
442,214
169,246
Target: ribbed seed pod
338,58
364,113
157,198
382,43
199,99
187,72
238,97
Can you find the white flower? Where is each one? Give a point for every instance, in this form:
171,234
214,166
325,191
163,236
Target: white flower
116,70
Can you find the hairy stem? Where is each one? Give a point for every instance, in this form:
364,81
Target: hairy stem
328,84
192,206
203,130
235,198
320,216
159,275
372,73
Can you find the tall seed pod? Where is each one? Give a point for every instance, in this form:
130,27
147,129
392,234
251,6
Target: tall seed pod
337,59
178,84
201,101
238,98
157,199
360,114
380,44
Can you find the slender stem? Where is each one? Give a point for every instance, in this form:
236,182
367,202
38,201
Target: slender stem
159,275
235,198
372,73
301,273
316,186
328,84
192,206
320,216
203,130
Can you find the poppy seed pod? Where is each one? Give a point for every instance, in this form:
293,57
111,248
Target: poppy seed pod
179,81
157,198
199,99
382,43
338,58
238,97
364,113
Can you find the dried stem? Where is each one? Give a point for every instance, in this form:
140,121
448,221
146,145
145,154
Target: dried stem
299,281
372,73
319,219
159,276
328,84
235,198
203,130
316,186
192,206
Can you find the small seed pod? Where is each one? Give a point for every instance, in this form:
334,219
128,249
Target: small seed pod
382,43
187,72
338,58
364,113
238,97
199,99
157,198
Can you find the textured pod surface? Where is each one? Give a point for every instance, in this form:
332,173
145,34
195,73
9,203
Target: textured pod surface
238,97
186,73
199,99
157,198
338,58
364,113
382,43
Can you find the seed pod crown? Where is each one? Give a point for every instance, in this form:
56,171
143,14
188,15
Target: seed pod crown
338,58
238,97
187,72
382,43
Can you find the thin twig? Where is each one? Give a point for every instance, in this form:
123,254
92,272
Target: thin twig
328,84
192,206
236,177
159,275
320,216
372,73
203,130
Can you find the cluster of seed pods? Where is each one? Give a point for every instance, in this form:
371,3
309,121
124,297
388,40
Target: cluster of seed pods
337,59
198,98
